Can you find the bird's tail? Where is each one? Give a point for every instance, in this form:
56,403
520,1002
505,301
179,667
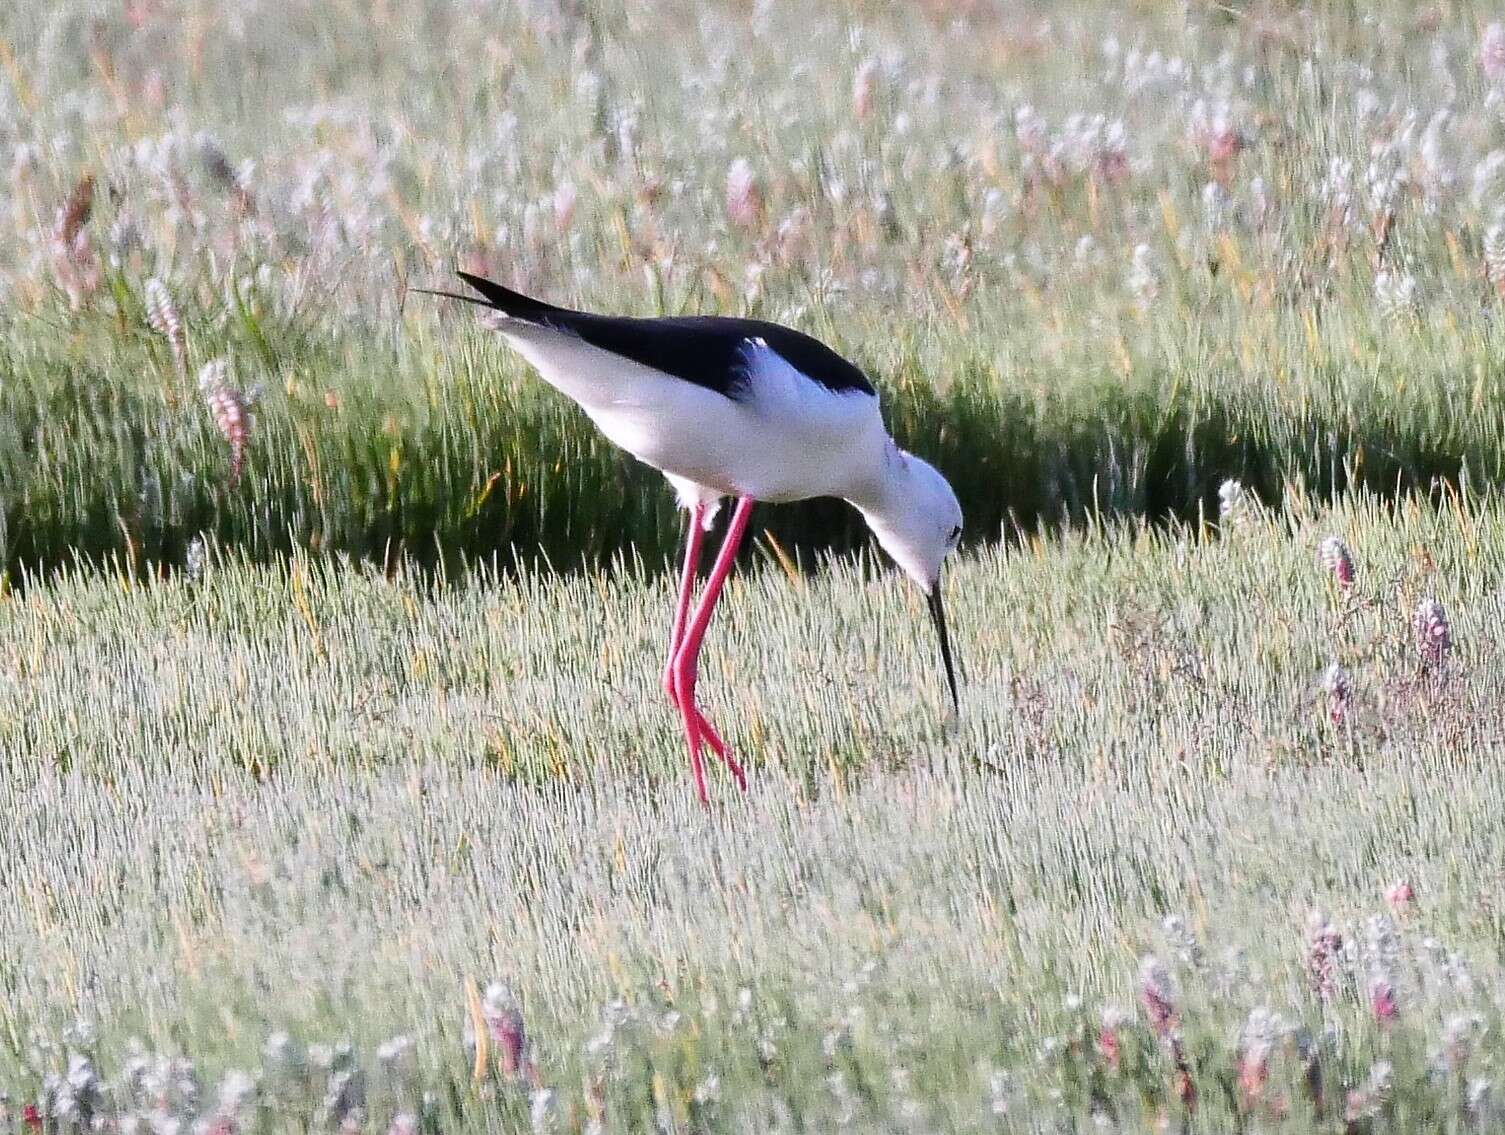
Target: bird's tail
505,300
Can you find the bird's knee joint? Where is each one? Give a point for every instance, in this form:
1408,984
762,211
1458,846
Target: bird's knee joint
684,677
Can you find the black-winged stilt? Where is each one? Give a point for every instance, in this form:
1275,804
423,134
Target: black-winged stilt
736,408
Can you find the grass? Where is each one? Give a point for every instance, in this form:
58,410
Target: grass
341,792
322,801
1094,287
447,450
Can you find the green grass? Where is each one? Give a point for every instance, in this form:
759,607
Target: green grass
321,800
985,280
448,450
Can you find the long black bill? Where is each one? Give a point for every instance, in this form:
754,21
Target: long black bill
938,613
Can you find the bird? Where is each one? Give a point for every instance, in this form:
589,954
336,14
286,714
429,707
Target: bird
736,408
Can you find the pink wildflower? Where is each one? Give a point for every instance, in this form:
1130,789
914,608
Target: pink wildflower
1112,159
1400,895
1382,1002
504,1022
1109,1046
1337,559
1157,996
1356,1107
1213,131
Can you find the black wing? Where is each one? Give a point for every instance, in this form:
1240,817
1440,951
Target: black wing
707,350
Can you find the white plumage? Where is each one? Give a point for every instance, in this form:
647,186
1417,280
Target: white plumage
788,438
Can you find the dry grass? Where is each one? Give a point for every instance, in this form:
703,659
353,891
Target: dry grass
322,801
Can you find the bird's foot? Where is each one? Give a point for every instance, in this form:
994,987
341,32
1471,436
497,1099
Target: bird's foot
699,731
718,746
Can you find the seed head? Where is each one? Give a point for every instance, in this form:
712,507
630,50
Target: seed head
1400,895
1233,501
744,198
1143,283
236,1091
1478,1102
1492,52
1338,687
865,89
504,1022
1395,295
565,198
1459,1032
1434,637
1324,948
162,317
1364,1103
1183,940
232,415
1494,256
393,1052
1257,1040
543,1111
1157,995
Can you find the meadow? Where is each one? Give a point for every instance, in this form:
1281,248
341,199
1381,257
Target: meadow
292,824
338,787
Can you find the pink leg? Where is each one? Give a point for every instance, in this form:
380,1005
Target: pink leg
693,542
686,586
686,661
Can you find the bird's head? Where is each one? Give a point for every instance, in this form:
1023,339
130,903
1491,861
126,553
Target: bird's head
918,521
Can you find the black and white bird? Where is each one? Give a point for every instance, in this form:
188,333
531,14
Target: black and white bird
736,408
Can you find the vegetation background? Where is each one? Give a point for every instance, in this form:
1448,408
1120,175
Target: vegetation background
337,786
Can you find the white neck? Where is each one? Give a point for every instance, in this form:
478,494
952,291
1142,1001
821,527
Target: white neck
872,490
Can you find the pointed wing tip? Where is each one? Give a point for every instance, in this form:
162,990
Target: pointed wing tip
450,296
505,300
